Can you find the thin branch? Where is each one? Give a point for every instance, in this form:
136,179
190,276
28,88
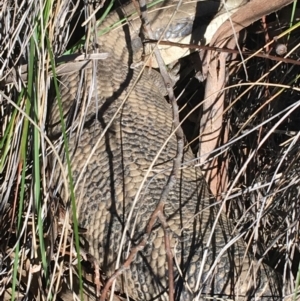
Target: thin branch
234,51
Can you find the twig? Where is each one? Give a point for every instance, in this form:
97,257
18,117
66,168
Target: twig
211,123
124,267
221,49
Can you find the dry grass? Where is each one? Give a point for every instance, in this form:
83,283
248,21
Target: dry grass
261,148
264,158
31,32
262,152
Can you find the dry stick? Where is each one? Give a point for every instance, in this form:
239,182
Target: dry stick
211,120
97,279
125,266
220,49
